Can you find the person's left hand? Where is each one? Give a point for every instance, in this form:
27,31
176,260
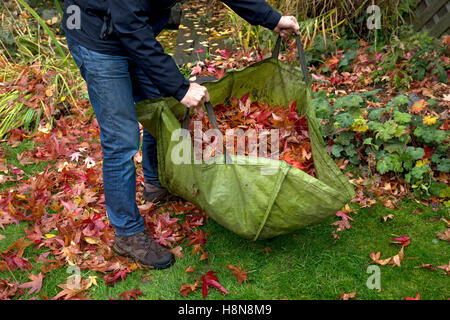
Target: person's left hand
286,26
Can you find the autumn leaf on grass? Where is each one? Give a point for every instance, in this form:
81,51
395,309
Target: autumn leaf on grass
346,296
240,274
11,261
70,293
188,288
402,240
112,277
444,235
394,260
35,284
209,279
131,294
190,269
446,268
417,297
344,223
426,266
19,246
204,256
177,252
386,218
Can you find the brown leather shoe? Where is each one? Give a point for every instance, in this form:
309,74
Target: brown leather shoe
154,193
144,250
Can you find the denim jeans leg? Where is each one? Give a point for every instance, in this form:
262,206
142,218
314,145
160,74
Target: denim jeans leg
111,95
150,159
143,89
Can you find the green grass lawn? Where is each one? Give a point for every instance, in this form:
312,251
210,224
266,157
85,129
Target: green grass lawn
305,265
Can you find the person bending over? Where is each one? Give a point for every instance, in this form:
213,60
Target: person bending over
116,51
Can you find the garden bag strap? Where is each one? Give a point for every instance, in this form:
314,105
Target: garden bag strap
256,198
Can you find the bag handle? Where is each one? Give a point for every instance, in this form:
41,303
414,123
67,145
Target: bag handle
212,117
301,55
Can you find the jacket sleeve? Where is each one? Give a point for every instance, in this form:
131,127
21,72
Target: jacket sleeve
257,12
132,27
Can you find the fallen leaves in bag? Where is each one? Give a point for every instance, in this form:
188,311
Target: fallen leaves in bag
255,119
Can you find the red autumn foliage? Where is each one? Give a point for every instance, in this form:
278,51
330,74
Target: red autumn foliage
294,145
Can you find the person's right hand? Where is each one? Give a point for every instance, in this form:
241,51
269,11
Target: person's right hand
286,26
196,96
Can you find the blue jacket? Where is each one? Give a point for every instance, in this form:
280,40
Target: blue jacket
129,28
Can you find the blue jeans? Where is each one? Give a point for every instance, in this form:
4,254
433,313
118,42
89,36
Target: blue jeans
114,84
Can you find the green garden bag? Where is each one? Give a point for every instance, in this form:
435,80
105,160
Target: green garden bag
236,194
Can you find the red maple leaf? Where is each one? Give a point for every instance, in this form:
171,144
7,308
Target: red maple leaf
209,279
402,240
344,223
35,284
417,297
131,294
225,53
14,262
111,278
198,237
220,73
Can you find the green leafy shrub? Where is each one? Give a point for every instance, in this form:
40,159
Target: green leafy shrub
414,57
411,146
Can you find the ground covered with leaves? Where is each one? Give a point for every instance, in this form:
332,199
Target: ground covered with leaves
384,116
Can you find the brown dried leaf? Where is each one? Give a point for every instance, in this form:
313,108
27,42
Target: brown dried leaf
394,260
444,235
240,274
188,288
346,296
386,218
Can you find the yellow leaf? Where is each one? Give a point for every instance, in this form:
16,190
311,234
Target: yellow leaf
92,281
429,121
420,163
45,129
50,235
361,128
91,240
